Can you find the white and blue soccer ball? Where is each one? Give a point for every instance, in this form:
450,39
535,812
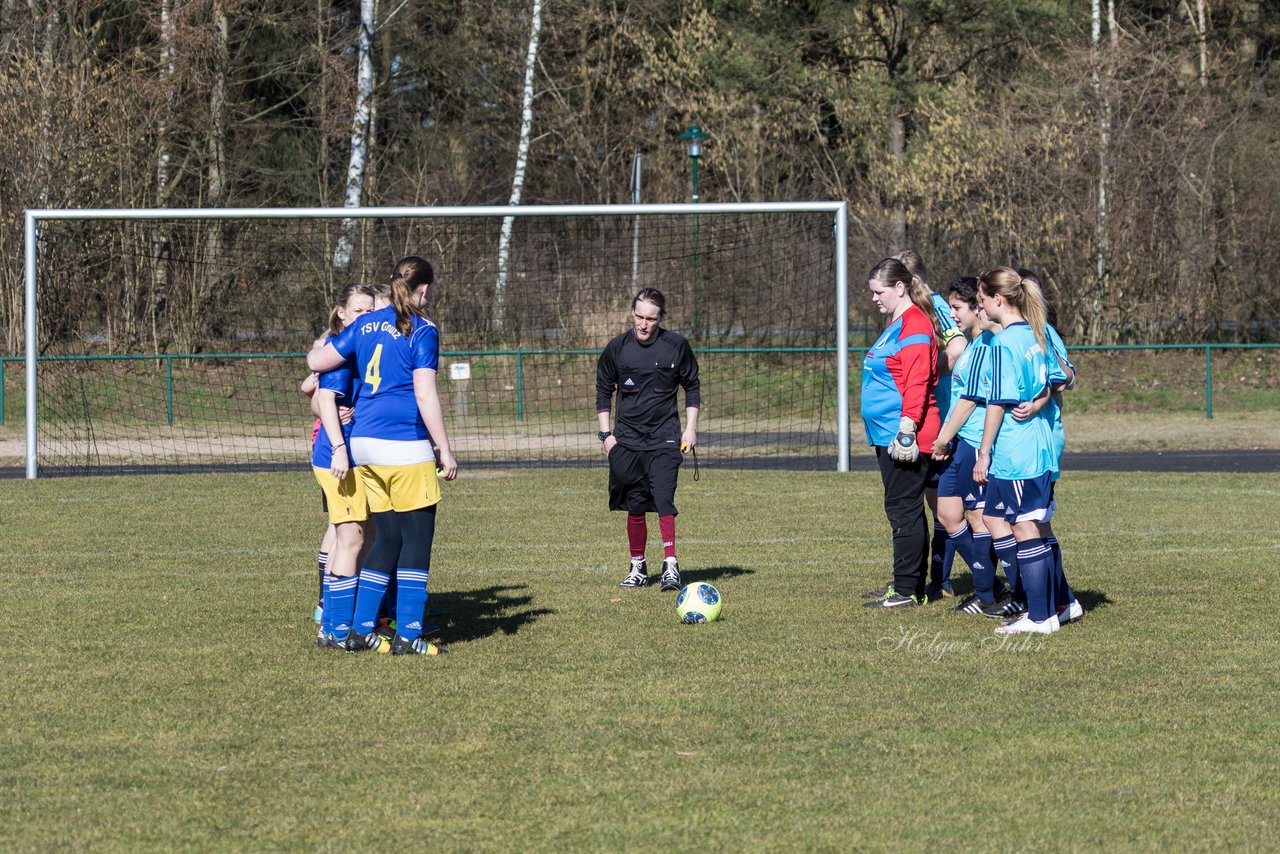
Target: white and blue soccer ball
699,603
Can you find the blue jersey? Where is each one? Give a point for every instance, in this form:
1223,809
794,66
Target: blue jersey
342,382
944,391
1057,357
385,359
971,380
1019,372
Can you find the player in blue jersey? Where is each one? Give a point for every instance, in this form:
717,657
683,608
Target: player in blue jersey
330,459
400,443
951,344
899,414
960,499
645,447
1016,458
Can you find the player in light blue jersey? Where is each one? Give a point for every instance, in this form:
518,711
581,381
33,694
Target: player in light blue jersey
1017,456
951,344
960,499
399,442
1062,377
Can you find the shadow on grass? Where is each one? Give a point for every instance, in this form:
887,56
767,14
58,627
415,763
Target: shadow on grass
474,614
1091,600
713,573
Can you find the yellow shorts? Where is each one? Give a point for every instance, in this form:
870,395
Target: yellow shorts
346,497
401,488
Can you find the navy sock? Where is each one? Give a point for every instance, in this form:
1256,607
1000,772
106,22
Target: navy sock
341,604
1063,595
937,553
373,585
984,566
1034,567
1006,552
411,602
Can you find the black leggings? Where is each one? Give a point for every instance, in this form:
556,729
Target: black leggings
404,540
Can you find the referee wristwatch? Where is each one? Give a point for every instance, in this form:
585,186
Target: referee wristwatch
603,434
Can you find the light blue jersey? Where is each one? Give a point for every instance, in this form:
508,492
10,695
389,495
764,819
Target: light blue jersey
1057,354
971,380
944,391
1020,371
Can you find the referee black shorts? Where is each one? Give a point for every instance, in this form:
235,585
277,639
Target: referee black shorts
644,481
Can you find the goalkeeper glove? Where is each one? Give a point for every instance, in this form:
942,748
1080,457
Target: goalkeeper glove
904,448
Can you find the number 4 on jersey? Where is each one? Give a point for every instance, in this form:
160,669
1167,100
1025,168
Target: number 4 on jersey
371,374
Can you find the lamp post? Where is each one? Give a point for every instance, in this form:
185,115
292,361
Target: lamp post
694,137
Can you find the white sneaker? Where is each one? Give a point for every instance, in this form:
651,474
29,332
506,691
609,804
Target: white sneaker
1026,625
1070,613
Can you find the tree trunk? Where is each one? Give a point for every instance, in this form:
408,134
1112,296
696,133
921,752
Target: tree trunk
522,159
1095,329
160,237
359,134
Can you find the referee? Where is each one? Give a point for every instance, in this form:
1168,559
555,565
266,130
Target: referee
642,367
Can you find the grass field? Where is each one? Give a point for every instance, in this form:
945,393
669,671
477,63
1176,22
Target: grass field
162,691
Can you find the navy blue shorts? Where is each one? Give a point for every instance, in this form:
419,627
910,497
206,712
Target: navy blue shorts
1029,500
957,478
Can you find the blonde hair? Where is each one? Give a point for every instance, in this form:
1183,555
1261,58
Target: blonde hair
890,271
407,276
911,259
1023,293
344,297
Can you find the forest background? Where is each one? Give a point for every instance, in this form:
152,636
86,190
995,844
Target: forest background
1126,150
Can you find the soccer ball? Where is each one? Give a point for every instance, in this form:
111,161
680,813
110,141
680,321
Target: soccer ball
698,603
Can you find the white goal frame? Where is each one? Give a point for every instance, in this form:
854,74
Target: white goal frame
838,210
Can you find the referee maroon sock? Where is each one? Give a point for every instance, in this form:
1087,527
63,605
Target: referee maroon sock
667,526
637,534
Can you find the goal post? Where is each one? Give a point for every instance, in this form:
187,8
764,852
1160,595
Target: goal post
170,339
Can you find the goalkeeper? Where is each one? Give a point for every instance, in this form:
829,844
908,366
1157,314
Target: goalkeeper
899,414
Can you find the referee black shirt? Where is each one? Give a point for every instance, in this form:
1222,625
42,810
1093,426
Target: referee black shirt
645,377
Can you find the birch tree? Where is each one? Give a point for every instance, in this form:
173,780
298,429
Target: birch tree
522,159
359,133
1101,273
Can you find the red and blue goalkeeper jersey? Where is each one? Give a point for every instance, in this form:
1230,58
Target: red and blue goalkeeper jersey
385,361
899,373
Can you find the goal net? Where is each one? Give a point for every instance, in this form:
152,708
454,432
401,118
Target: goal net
173,340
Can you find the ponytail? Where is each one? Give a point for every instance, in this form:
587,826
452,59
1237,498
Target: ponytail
1034,311
1021,292
923,299
407,276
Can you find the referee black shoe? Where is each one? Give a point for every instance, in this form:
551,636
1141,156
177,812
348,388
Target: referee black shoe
670,575
639,574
